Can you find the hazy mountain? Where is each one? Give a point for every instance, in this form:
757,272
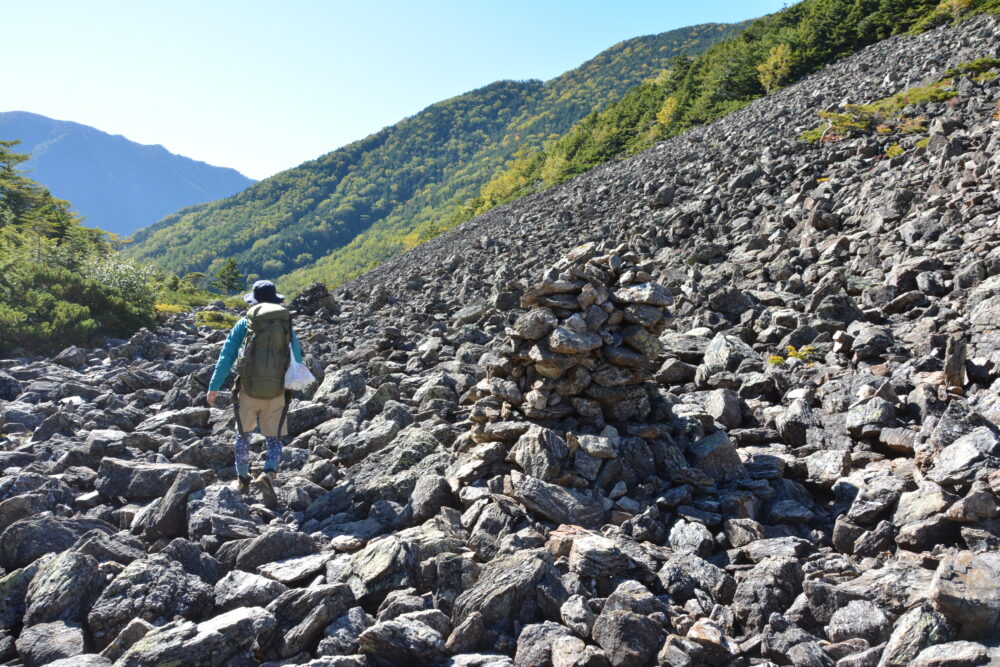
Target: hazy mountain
117,184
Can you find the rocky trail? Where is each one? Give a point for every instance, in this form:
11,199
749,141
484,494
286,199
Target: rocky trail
733,401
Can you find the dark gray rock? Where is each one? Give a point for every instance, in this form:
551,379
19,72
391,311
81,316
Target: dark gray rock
628,639
45,643
243,589
63,589
534,644
138,480
341,636
508,590
400,642
155,589
220,640
273,545
859,619
25,540
770,587
557,503
965,590
301,616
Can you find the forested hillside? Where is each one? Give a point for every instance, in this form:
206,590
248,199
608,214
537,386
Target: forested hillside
414,174
60,283
116,184
774,51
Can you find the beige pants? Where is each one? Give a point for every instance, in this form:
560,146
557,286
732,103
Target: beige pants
265,412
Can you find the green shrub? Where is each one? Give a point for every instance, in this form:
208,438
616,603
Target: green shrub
883,116
197,299
894,151
169,308
133,282
61,283
47,308
214,319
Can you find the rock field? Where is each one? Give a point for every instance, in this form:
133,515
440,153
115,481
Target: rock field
733,401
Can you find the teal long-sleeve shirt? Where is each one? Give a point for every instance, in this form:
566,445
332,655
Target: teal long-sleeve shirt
232,349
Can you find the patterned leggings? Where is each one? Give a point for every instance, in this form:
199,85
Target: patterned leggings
271,457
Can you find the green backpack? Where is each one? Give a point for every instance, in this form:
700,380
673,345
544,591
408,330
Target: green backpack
265,351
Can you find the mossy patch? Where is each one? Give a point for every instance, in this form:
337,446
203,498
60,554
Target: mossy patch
214,319
169,308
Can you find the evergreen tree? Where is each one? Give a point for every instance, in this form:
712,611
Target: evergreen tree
229,278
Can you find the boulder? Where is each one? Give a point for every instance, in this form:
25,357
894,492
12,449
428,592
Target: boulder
25,540
139,480
45,643
155,589
966,589
216,641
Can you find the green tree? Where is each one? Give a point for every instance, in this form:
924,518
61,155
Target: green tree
229,278
60,283
195,281
774,71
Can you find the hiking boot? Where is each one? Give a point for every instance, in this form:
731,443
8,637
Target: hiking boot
242,484
265,483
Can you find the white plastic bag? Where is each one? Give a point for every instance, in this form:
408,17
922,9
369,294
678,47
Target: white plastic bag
298,375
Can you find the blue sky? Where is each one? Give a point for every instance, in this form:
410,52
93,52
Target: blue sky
264,86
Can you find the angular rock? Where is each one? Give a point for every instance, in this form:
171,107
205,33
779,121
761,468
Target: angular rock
966,589
216,641
556,503
45,643
155,589
139,480
401,642
507,590
25,540
243,589
716,456
628,639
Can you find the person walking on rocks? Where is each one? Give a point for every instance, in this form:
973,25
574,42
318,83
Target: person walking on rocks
265,343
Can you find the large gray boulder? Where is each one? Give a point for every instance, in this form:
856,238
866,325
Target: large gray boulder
216,641
401,641
63,589
509,590
25,540
243,589
47,642
557,503
301,616
274,545
155,589
139,480
966,589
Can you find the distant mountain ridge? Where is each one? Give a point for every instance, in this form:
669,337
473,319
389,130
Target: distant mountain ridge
117,184
375,193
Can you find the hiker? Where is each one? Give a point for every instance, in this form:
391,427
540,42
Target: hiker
259,395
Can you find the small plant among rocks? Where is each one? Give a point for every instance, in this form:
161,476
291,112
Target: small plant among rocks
214,319
894,151
806,354
169,308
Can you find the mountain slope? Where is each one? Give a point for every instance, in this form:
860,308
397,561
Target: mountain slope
528,449
774,51
116,184
414,171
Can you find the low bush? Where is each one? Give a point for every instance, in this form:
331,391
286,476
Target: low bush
214,319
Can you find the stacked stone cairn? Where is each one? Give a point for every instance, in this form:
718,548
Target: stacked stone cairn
570,408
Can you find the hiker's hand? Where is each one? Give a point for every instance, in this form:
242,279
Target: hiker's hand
211,398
